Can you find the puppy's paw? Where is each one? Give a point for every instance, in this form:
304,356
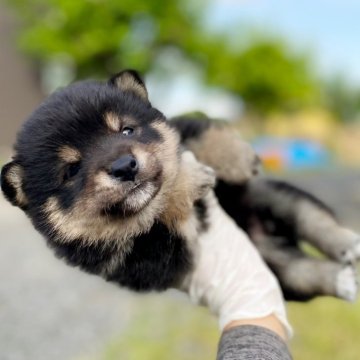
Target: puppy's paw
352,253
347,284
237,164
201,177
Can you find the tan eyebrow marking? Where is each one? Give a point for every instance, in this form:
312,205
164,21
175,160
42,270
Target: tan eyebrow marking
112,121
69,154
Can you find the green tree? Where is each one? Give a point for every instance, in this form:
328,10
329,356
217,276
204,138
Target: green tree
101,37
104,36
267,76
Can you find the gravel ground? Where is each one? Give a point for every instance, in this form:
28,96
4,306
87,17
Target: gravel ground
47,309
51,311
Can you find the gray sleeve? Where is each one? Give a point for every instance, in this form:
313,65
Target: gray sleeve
250,342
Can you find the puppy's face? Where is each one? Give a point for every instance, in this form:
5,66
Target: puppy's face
92,157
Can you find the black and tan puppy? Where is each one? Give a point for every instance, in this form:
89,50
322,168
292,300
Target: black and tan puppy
100,174
276,216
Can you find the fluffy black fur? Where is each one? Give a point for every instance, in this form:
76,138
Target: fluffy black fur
191,126
157,261
248,213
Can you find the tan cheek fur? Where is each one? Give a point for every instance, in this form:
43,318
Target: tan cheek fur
222,149
178,187
102,181
80,224
175,187
143,159
167,152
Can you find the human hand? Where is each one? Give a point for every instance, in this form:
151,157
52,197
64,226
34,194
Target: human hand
230,277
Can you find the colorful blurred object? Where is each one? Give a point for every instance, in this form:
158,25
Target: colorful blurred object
296,154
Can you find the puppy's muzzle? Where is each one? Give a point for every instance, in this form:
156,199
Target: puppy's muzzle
125,168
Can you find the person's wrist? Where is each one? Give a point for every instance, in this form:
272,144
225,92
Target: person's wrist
270,322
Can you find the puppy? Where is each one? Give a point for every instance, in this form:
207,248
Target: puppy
101,175
276,215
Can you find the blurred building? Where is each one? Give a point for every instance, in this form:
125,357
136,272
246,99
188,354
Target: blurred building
19,91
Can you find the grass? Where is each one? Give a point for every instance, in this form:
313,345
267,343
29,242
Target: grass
163,329
167,328
325,329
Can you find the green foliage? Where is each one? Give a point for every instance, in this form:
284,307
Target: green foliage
267,76
104,36
325,329
101,37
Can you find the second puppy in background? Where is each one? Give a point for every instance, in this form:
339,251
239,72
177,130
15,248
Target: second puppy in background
276,215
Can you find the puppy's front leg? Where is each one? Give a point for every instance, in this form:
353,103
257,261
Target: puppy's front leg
194,180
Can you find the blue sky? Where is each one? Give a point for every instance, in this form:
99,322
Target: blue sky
329,29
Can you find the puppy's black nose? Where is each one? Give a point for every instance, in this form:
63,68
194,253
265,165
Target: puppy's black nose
125,168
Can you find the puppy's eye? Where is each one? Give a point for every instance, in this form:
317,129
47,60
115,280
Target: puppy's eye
127,131
71,170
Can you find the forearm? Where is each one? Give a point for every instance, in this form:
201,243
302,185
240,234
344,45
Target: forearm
252,342
270,322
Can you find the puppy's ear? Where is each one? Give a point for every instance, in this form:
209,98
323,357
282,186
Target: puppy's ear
130,80
12,184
